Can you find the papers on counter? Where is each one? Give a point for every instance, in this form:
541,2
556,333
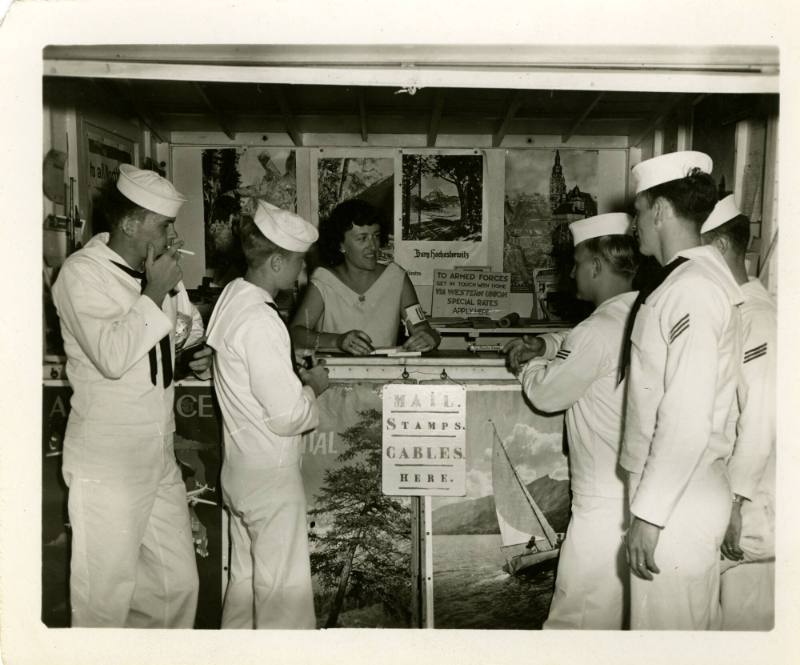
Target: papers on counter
394,352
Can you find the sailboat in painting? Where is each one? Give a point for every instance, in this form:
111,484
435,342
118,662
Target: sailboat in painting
528,539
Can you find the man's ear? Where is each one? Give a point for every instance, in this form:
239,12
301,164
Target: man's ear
597,266
129,225
661,211
275,262
722,243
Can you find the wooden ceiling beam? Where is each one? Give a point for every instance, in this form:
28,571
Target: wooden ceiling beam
121,89
658,119
579,120
221,118
288,116
362,115
511,110
436,118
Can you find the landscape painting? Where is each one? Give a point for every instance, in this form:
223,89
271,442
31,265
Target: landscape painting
475,581
234,179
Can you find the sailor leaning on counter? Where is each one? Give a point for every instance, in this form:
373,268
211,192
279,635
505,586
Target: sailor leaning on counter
748,591
123,312
685,355
265,408
577,371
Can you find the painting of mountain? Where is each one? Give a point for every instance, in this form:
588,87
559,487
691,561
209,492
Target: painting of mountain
477,516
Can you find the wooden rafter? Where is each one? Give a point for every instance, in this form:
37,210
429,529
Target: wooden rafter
362,115
658,118
121,89
579,120
221,118
436,118
288,116
511,110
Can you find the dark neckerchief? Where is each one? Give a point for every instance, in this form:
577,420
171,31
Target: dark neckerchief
644,293
164,343
292,357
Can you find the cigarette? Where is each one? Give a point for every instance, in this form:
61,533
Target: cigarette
186,251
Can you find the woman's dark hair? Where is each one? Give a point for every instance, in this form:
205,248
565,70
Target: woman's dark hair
344,217
110,207
621,252
736,230
692,197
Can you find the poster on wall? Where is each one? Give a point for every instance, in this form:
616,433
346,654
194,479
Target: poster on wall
545,191
367,178
105,152
233,180
483,577
360,539
442,220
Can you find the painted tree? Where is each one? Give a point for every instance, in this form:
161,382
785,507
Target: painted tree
465,172
361,556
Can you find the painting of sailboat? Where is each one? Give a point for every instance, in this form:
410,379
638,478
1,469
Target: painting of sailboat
528,539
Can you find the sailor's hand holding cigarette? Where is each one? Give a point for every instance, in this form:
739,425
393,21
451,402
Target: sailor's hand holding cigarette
163,273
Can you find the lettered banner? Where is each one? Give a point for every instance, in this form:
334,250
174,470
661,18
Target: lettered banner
424,440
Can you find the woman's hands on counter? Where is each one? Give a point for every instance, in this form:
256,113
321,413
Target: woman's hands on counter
355,342
421,340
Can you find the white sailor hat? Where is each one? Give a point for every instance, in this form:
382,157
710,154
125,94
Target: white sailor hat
672,166
149,190
610,224
723,212
284,228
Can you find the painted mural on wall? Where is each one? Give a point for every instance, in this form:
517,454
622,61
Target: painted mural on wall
370,179
472,585
545,191
233,180
443,222
360,539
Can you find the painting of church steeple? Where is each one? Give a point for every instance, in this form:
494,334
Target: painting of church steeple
558,185
546,189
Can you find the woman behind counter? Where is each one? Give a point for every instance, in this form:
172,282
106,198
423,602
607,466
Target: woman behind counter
355,304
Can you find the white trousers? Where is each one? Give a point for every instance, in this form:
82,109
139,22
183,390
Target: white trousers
748,596
591,582
685,594
270,570
748,588
133,562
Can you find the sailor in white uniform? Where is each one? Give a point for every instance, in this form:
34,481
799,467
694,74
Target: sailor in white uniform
265,408
748,591
133,561
577,372
685,355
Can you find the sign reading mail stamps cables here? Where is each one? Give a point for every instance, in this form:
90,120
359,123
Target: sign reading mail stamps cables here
424,440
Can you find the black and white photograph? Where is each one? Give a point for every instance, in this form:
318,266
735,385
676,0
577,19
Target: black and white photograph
240,430
369,179
545,191
442,197
233,181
